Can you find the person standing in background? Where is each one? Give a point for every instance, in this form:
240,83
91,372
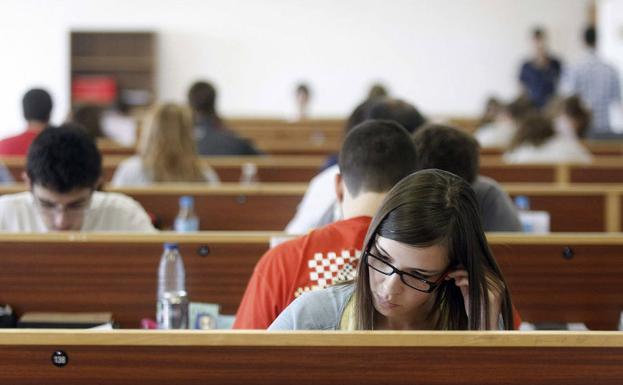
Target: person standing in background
539,75
596,83
303,97
37,107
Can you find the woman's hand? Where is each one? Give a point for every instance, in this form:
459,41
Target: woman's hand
461,280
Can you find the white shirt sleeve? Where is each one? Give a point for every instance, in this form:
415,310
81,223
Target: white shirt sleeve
318,198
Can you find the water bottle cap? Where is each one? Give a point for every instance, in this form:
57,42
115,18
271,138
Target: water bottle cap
249,168
522,202
186,201
170,246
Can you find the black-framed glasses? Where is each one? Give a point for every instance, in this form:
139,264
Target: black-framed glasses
379,265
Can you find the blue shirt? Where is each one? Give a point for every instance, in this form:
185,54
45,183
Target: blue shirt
540,82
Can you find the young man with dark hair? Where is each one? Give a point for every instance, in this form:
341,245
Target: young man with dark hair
37,107
375,155
213,138
539,75
318,206
63,171
452,150
597,83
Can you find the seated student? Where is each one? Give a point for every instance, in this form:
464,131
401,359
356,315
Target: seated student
63,170
37,107
375,155
318,206
572,119
213,138
536,141
453,150
425,265
167,152
500,131
89,117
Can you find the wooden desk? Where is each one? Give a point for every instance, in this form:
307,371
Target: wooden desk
554,278
74,272
154,358
308,137
270,206
278,168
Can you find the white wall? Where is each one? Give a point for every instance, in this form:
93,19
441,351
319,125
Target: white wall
445,56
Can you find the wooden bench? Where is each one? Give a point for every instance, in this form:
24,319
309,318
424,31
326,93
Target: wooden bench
257,207
607,170
553,278
270,206
163,358
599,148
308,137
118,272
278,168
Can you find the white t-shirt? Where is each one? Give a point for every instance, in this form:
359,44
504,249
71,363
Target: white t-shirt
317,201
130,172
107,212
558,149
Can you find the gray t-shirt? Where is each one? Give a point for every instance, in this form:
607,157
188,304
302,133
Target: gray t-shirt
496,208
315,310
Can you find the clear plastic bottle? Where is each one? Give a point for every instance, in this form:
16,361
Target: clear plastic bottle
522,203
248,173
186,219
172,308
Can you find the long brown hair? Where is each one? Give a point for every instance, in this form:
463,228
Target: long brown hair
167,147
535,129
432,207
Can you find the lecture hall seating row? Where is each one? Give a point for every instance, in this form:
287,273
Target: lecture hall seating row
440,358
552,278
301,169
324,137
270,206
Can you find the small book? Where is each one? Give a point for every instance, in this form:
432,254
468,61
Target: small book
54,320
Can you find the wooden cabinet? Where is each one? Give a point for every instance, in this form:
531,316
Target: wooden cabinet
105,65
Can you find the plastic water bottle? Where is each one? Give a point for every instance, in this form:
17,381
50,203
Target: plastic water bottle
186,219
523,205
248,173
172,308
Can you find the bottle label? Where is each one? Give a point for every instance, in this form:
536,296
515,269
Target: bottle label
172,312
186,225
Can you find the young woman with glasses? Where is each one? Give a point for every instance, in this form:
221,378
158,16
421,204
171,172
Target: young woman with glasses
425,265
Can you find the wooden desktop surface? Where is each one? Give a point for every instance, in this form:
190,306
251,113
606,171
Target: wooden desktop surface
165,357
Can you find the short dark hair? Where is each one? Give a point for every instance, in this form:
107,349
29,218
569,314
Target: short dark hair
377,90
397,110
304,88
89,117
37,105
538,33
449,149
64,158
590,36
375,155
202,97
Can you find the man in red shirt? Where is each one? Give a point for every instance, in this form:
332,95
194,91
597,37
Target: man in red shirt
375,155
37,105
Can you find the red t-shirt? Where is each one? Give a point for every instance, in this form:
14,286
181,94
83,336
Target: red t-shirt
18,144
319,259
